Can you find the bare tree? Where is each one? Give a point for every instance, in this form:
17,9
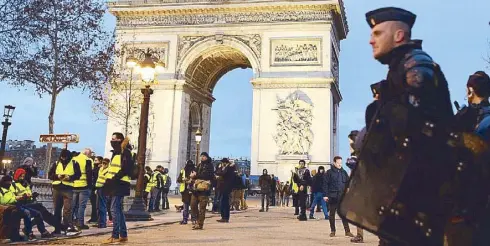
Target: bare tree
63,45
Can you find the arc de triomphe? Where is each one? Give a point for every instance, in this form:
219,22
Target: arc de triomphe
291,46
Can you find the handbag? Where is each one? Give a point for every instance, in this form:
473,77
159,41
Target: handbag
202,185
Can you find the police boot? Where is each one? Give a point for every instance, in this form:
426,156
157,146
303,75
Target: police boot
302,217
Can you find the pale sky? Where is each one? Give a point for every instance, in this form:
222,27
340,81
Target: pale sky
455,34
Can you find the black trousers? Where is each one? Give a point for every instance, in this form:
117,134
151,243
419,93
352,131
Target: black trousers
296,203
333,204
302,196
93,203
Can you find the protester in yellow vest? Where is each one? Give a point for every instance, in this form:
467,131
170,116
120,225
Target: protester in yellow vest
7,197
148,185
156,183
82,188
184,181
11,215
294,191
167,182
118,185
63,174
101,197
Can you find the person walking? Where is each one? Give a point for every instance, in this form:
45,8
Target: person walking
286,190
319,190
118,185
201,180
337,178
265,182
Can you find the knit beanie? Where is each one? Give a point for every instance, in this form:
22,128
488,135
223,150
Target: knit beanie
18,173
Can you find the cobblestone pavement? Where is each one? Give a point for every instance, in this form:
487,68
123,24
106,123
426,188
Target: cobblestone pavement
276,227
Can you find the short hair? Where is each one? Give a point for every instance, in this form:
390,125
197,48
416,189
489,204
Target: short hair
106,161
337,158
100,158
118,135
302,161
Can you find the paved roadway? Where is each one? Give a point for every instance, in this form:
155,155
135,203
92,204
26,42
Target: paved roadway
277,227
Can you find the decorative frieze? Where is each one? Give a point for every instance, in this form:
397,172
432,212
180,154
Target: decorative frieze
224,18
296,52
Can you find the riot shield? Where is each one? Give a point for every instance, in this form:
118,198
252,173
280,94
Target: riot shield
408,193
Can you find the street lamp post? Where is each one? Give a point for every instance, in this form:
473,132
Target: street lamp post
7,114
6,162
198,142
148,68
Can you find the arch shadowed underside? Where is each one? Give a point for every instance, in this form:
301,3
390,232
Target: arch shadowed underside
205,71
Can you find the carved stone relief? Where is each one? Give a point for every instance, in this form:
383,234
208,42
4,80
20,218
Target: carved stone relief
296,52
294,135
225,18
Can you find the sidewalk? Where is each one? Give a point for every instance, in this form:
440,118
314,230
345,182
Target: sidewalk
161,218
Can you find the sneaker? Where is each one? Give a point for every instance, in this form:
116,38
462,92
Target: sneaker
332,234
312,218
123,239
349,234
72,232
31,237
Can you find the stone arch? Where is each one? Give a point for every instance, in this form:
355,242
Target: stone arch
195,115
204,63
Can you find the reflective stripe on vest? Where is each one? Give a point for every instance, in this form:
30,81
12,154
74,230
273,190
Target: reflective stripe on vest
115,167
82,161
101,177
69,170
182,185
7,197
20,190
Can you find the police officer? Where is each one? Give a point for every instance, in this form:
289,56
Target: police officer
414,96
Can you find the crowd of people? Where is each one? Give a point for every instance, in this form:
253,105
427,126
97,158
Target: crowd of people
77,178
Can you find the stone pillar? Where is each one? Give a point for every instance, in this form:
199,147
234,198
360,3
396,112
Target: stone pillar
292,121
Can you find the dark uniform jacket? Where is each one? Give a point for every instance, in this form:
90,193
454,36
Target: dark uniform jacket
336,179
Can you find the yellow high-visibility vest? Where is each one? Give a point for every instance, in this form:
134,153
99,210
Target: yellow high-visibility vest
115,167
101,177
69,170
20,190
148,184
182,185
7,197
154,179
164,179
294,185
82,160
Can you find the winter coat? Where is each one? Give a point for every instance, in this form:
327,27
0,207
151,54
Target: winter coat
265,182
336,181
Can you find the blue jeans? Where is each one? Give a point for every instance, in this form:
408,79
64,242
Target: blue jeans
318,198
80,199
27,221
225,206
153,199
118,219
245,194
102,208
216,201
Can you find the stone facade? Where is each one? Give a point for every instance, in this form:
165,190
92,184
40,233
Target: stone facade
292,48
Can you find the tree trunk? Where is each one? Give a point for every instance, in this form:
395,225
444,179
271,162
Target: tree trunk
51,131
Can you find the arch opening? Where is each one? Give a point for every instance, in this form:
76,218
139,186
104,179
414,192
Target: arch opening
211,64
